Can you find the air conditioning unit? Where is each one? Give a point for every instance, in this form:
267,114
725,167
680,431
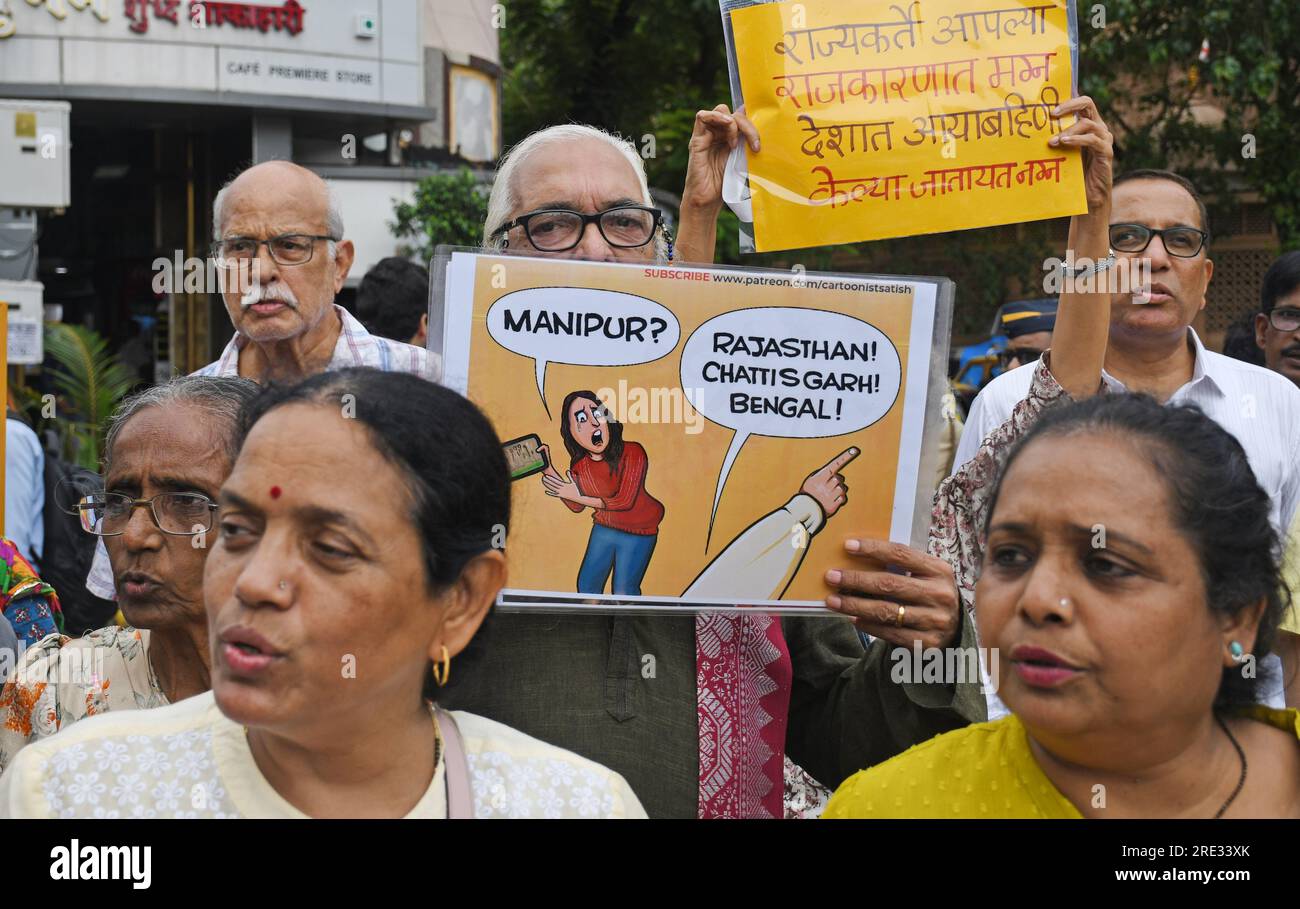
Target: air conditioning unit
34,153
24,300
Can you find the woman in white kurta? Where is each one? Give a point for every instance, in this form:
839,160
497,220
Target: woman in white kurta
188,760
358,546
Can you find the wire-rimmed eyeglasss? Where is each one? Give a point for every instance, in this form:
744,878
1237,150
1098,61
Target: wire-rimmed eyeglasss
1284,319
286,249
107,514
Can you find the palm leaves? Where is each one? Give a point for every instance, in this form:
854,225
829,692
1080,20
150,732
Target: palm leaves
90,382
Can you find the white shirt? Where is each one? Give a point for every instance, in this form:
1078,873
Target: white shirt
355,347
24,491
189,760
1258,406
1261,408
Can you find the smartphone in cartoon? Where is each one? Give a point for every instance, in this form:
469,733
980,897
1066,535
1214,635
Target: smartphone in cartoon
525,456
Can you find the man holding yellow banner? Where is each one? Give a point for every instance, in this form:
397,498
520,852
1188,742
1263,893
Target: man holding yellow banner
700,712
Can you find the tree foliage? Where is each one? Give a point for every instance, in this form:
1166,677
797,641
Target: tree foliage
1154,65
448,208
643,69
636,68
90,382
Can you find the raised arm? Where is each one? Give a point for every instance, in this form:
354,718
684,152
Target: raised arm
1083,314
716,133
1071,369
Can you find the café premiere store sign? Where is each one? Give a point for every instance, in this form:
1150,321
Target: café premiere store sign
306,49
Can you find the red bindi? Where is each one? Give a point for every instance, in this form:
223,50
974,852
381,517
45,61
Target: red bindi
275,492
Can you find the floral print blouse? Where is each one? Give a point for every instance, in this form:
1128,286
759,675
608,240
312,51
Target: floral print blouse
62,680
961,502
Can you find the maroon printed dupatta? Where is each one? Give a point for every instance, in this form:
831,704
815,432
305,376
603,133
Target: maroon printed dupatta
743,675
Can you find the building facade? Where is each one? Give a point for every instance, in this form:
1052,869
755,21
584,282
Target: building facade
170,98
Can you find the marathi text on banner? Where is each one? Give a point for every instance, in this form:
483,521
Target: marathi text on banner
885,119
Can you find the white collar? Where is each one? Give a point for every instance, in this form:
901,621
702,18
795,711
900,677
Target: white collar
1203,369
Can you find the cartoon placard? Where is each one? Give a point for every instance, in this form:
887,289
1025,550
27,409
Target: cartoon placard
709,436
890,118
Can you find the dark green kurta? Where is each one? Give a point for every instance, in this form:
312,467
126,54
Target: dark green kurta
577,682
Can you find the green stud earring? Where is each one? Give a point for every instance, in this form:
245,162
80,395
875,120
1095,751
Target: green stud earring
1238,653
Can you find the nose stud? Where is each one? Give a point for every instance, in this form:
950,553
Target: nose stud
1065,602
284,585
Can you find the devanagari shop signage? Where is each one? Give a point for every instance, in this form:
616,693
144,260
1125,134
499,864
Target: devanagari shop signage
888,119
202,13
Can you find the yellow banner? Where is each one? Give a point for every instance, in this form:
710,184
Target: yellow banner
883,119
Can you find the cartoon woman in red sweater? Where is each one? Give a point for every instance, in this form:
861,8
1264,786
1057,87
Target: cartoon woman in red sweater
607,475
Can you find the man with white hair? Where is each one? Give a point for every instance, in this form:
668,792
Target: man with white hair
578,192
280,225
716,715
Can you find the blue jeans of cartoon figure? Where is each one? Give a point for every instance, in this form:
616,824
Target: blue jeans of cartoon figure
627,554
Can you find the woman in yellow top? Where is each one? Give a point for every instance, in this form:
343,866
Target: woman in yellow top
1130,588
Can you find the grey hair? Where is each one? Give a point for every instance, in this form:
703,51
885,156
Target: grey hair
333,212
221,397
503,203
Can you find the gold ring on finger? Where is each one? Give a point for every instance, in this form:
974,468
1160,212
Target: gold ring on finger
898,619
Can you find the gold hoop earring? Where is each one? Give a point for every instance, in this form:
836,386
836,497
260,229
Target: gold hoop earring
442,668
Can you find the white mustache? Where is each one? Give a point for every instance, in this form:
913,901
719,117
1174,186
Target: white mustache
276,292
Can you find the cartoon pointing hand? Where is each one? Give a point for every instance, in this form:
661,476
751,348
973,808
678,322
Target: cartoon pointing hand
827,485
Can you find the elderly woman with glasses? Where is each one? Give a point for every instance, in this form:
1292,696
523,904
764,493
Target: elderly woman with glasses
335,610
167,452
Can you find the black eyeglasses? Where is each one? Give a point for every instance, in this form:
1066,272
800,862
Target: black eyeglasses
559,229
1022,355
1183,242
180,513
286,249
1284,319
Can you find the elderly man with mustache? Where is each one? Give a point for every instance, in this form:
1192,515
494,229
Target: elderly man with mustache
280,225
278,232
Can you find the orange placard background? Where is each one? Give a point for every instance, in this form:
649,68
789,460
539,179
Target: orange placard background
547,541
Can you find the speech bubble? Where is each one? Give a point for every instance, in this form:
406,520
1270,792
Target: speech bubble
789,373
582,326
